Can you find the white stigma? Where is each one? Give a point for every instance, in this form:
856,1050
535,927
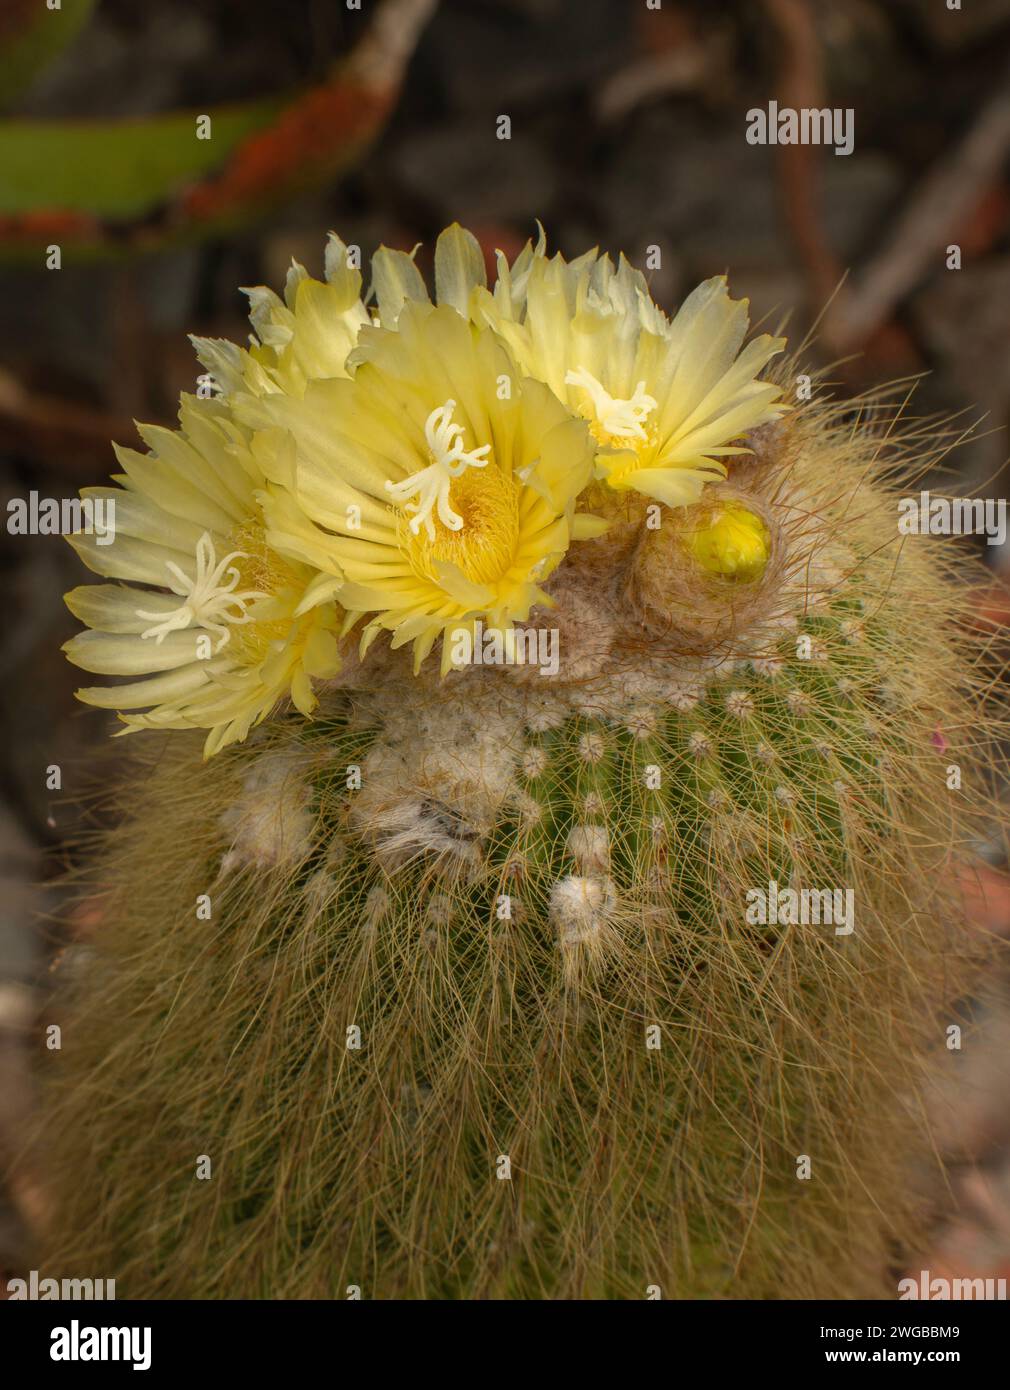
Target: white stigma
211,599
621,418
431,485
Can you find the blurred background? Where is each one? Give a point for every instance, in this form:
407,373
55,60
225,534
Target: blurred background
378,119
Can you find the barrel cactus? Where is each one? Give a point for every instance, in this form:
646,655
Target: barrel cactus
560,903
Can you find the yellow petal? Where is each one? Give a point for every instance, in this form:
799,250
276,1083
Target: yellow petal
395,279
114,655
459,267
172,686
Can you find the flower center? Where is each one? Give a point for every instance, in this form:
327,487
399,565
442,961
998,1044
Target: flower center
211,597
619,419
483,546
431,485
264,569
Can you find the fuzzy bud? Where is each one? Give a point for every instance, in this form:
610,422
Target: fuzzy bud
731,541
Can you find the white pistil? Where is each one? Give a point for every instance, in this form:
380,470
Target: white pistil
431,485
211,599
621,418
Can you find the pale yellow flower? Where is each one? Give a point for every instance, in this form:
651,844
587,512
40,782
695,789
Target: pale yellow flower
305,336
214,640
412,469
437,483
666,400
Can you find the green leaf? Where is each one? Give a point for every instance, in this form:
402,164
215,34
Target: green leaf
115,169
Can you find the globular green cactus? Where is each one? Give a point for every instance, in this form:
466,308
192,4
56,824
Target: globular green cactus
616,982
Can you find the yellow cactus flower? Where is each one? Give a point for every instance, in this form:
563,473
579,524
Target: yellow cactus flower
437,483
303,337
215,639
665,399
416,465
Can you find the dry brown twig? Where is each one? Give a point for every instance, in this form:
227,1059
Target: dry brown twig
801,85
947,195
65,435
670,73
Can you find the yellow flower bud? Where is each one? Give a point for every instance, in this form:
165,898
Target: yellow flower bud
732,541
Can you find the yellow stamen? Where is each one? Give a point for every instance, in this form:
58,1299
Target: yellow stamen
484,546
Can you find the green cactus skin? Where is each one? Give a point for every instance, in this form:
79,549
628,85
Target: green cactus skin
523,1032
